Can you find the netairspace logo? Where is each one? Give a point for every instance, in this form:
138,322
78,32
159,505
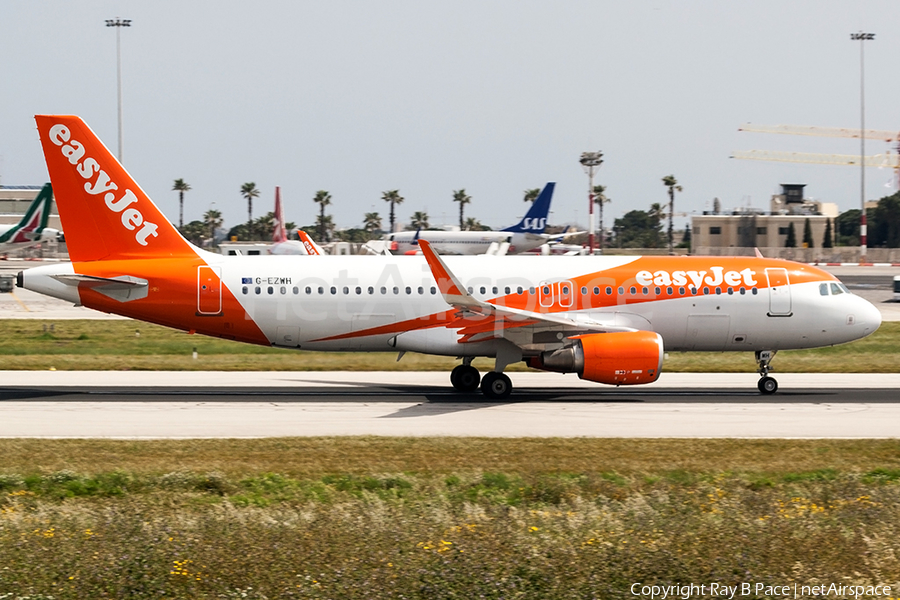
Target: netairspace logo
691,590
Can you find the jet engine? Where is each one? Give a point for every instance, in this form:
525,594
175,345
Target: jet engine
621,358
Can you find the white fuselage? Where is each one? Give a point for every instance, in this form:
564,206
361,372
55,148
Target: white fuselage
392,303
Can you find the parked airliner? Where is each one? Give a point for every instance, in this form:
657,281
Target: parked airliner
525,235
32,229
607,318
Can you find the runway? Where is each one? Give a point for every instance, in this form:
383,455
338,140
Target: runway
204,405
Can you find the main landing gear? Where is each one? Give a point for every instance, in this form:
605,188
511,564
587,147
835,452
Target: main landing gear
767,385
494,385
465,377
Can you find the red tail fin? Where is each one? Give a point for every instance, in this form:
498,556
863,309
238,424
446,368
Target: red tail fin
279,235
103,211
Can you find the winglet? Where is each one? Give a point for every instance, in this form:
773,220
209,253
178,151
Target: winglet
451,289
758,253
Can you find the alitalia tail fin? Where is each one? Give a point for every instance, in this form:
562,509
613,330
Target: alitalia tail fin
105,214
35,219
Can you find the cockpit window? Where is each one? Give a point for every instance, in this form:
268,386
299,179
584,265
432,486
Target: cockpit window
844,287
836,289
823,289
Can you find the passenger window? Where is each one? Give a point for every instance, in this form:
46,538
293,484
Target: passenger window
609,291
482,289
836,289
519,290
681,291
371,290
546,290
633,290
755,291
645,291
396,291
257,290
469,289
669,291
296,290
433,290
383,291
283,290
706,291
621,291
321,290
495,290
823,289
408,290
358,291
421,291
271,290
333,290
244,290
308,290
506,290
658,291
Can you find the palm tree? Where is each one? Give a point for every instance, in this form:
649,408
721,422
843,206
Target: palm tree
325,225
249,191
181,187
372,222
463,199
600,199
323,199
419,220
213,219
532,194
670,182
473,224
394,197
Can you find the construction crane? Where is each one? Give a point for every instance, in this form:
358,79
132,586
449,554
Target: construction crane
873,160
871,134
890,160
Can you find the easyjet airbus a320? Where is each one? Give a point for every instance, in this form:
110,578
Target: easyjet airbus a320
609,319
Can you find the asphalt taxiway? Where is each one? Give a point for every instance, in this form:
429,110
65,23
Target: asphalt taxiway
234,405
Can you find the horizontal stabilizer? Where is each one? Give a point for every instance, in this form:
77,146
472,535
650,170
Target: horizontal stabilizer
122,288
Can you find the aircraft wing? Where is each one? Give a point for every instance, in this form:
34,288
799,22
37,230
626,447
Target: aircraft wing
522,327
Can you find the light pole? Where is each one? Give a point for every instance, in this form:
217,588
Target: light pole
862,37
591,161
118,24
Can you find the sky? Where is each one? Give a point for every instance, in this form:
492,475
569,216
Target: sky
494,97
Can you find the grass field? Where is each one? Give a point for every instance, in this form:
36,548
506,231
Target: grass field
123,345
441,518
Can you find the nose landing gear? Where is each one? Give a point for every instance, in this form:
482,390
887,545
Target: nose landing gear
767,385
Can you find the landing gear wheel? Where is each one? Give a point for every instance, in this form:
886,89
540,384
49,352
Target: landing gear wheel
767,385
496,386
465,378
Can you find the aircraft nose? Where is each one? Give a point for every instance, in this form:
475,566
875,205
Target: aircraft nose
868,317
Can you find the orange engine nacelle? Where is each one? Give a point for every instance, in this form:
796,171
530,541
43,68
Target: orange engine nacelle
624,358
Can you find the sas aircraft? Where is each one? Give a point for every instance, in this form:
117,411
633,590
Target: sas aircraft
32,229
609,319
521,237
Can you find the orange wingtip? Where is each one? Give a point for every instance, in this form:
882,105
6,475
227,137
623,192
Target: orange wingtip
439,270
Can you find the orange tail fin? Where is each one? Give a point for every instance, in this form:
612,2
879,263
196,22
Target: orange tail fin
105,214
